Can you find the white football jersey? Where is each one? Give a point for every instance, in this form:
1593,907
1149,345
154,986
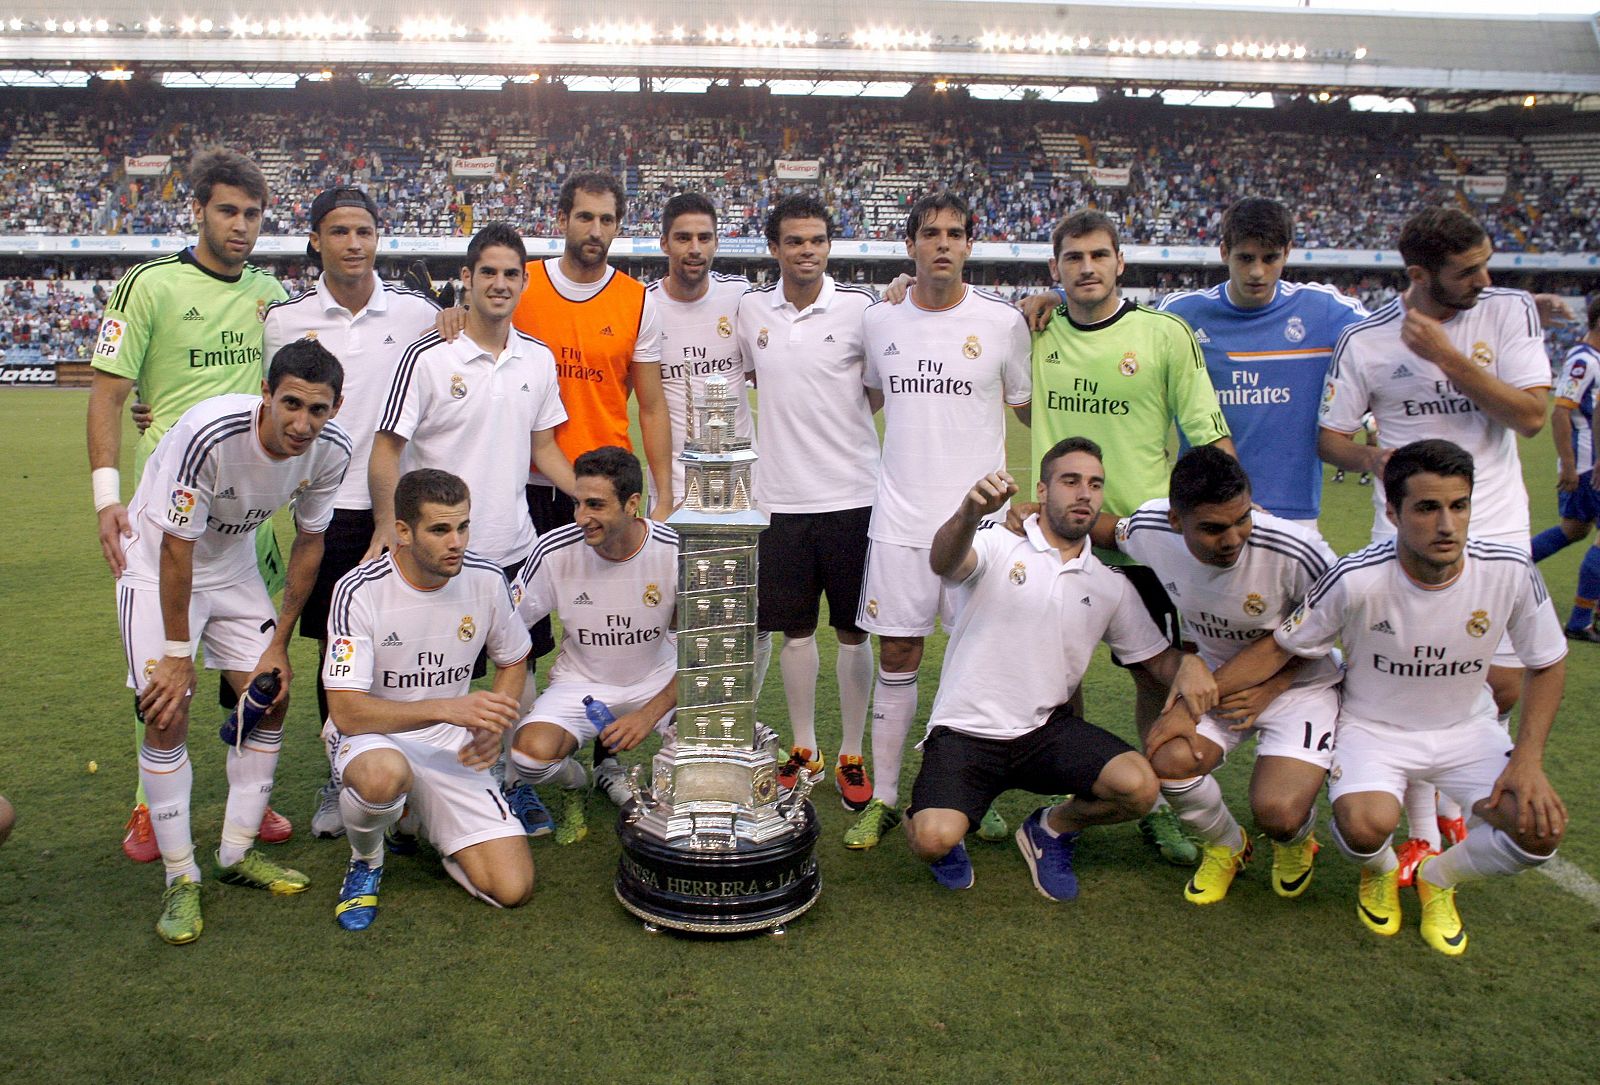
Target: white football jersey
399,642
1223,610
697,342
1411,399
211,482
1416,657
616,616
946,378
368,346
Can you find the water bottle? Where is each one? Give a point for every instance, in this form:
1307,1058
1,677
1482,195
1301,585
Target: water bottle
263,690
599,715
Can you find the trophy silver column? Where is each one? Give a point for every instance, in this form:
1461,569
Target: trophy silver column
709,845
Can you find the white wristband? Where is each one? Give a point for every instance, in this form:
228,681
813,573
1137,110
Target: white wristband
107,485
181,649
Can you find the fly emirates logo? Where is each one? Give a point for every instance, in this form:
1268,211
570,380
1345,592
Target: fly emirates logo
1426,662
929,381
618,632
1248,391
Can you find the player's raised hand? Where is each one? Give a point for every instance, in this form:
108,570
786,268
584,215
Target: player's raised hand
484,710
165,700
1037,309
1425,337
1018,514
114,527
383,538
1552,310
989,494
450,323
896,291
1540,813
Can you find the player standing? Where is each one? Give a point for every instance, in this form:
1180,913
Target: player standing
612,577
367,324
1572,426
1451,357
406,726
945,366
224,468
1420,615
801,339
1267,345
183,328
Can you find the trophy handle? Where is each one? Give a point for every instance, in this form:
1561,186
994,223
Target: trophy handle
642,799
795,811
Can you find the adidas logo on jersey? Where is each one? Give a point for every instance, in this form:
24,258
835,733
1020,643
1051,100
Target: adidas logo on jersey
1200,336
827,339
1171,586
393,641
525,388
891,351
583,600
1085,601
388,340
1383,627
607,330
227,494
1400,372
193,314
1054,357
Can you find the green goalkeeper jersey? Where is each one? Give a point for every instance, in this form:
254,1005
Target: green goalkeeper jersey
1122,383
184,334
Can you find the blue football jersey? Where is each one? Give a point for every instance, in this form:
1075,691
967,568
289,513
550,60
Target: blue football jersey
1575,390
1267,366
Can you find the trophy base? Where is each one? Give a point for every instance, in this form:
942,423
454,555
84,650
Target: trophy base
751,889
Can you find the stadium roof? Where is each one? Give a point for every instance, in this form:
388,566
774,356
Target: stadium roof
906,41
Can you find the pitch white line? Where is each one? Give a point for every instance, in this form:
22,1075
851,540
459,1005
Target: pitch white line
1574,879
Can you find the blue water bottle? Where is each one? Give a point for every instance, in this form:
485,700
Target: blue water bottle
599,715
252,707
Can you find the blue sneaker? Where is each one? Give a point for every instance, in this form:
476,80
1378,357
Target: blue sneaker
524,803
954,871
1049,857
358,899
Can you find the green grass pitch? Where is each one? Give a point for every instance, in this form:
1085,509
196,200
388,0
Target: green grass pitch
888,979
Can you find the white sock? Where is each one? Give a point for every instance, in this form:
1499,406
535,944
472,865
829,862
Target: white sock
565,773
250,770
894,708
853,666
1485,853
763,661
365,822
1198,804
1422,812
1447,807
1379,862
168,778
798,662
453,868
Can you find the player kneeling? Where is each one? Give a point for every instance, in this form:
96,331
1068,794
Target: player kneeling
1029,612
1235,575
1420,616
405,727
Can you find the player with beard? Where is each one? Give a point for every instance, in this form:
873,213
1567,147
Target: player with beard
1000,719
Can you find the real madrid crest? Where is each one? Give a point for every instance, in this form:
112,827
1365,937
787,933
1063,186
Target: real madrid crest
1018,574
1295,330
652,595
467,629
1129,364
972,348
872,608
1254,605
261,309
516,596
1478,624
724,327
458,387
311,335
149,668
761,340
1482,354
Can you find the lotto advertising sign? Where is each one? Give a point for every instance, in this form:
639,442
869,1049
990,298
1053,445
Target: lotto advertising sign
30,376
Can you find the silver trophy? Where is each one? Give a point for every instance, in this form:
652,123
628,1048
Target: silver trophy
710,845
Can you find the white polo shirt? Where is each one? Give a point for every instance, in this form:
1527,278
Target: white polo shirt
697,342
1411,399
368,345
468,412
819,447
1026,627
947,377
1416,657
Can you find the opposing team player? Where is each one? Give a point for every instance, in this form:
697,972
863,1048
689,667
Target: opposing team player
182,328
1457,358
1572,426
1235,575
1000,719
406,727
1267,345
1420,615
189,578
801,341
612,578
367,324
946,366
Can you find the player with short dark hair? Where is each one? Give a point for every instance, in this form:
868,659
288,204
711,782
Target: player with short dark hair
1420,615
406,729
221,471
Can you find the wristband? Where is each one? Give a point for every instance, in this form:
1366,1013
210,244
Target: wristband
179,649
106,482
